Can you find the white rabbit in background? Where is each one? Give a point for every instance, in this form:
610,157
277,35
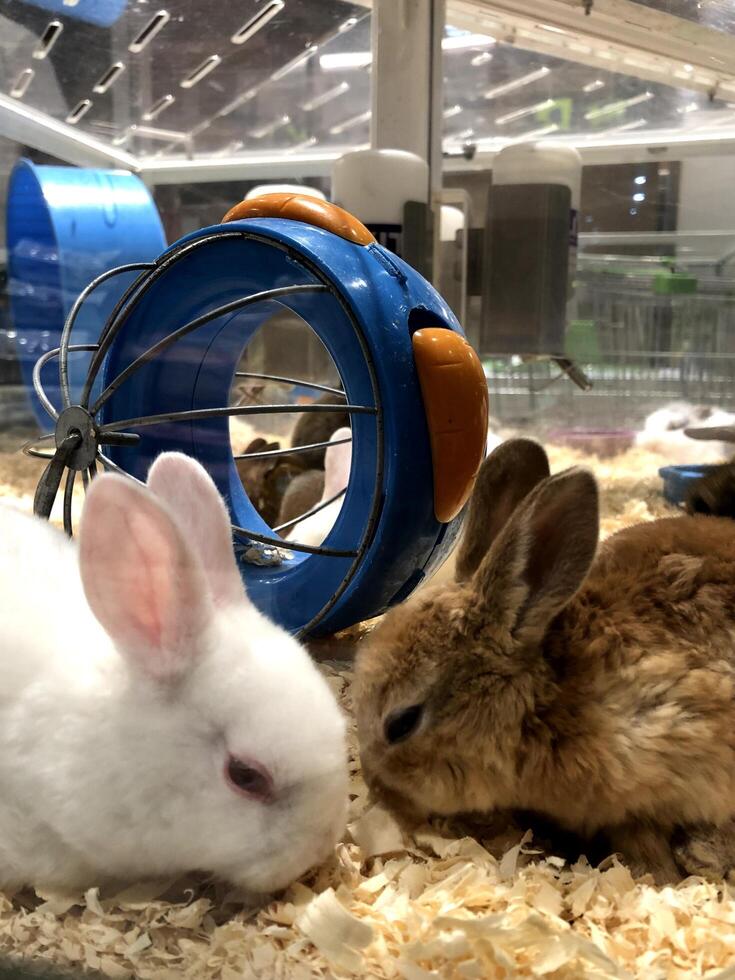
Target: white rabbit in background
663,433
337,461
152,721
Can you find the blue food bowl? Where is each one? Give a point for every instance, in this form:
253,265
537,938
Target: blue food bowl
65,226
678,480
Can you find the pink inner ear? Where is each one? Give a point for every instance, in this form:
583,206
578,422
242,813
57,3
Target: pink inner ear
200,511
337,463
141,580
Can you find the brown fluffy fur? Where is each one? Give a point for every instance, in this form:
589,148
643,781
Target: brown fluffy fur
599,694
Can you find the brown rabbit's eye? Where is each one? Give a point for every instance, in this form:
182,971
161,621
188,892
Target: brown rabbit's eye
402,723
249,779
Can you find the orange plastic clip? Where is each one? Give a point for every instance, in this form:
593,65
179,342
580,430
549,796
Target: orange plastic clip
301,207
454,390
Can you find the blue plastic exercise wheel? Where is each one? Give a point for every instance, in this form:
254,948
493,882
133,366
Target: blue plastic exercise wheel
168,356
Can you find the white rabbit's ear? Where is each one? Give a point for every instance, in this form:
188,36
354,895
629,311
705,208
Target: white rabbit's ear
337,460
142,580
196,503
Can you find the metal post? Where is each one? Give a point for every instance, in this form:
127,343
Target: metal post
407,85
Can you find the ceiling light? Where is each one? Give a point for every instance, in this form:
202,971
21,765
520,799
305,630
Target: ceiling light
481,59
452,110
350,123
542,131
527,111
619,106
593,86
533,76
258,132
464,42
345,60
296,62
319,100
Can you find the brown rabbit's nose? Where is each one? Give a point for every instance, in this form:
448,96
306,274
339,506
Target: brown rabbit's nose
402,723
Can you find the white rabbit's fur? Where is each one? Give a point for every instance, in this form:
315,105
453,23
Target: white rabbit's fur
113,753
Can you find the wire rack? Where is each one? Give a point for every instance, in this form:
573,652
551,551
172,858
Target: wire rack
78,445
638,344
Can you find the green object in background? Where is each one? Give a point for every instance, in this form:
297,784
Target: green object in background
674,284
581,343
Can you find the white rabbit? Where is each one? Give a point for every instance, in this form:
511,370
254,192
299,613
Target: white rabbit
152,721
663,432
337,459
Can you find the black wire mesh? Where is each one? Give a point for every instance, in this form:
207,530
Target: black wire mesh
62,458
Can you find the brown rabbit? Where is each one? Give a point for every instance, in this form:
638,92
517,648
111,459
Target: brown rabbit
266,480
314,427
303,493
597,692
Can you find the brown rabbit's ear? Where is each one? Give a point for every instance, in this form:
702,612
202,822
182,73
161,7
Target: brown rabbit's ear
256,445
506,477
542,556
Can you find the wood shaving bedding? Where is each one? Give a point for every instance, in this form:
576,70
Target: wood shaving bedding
389,906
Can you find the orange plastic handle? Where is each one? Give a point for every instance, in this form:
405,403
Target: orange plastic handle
454,391
301,207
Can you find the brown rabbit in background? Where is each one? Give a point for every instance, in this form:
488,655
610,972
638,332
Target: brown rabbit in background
598,691
266,480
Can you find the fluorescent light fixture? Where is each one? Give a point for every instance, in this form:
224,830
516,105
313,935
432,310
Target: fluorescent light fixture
593,86
237,102
452,110
689,107
528,79
257,22
232,147
533,134
261,131
201,71
162,135
465,42
319,100
528,110
351,123
553,30
619,106
626,127
21,83
640,180
157,108
481,59
303,145
295,63
463,134
347,25
640,196
345,60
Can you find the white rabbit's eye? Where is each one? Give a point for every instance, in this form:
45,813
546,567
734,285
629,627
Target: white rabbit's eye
402,723
249,779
